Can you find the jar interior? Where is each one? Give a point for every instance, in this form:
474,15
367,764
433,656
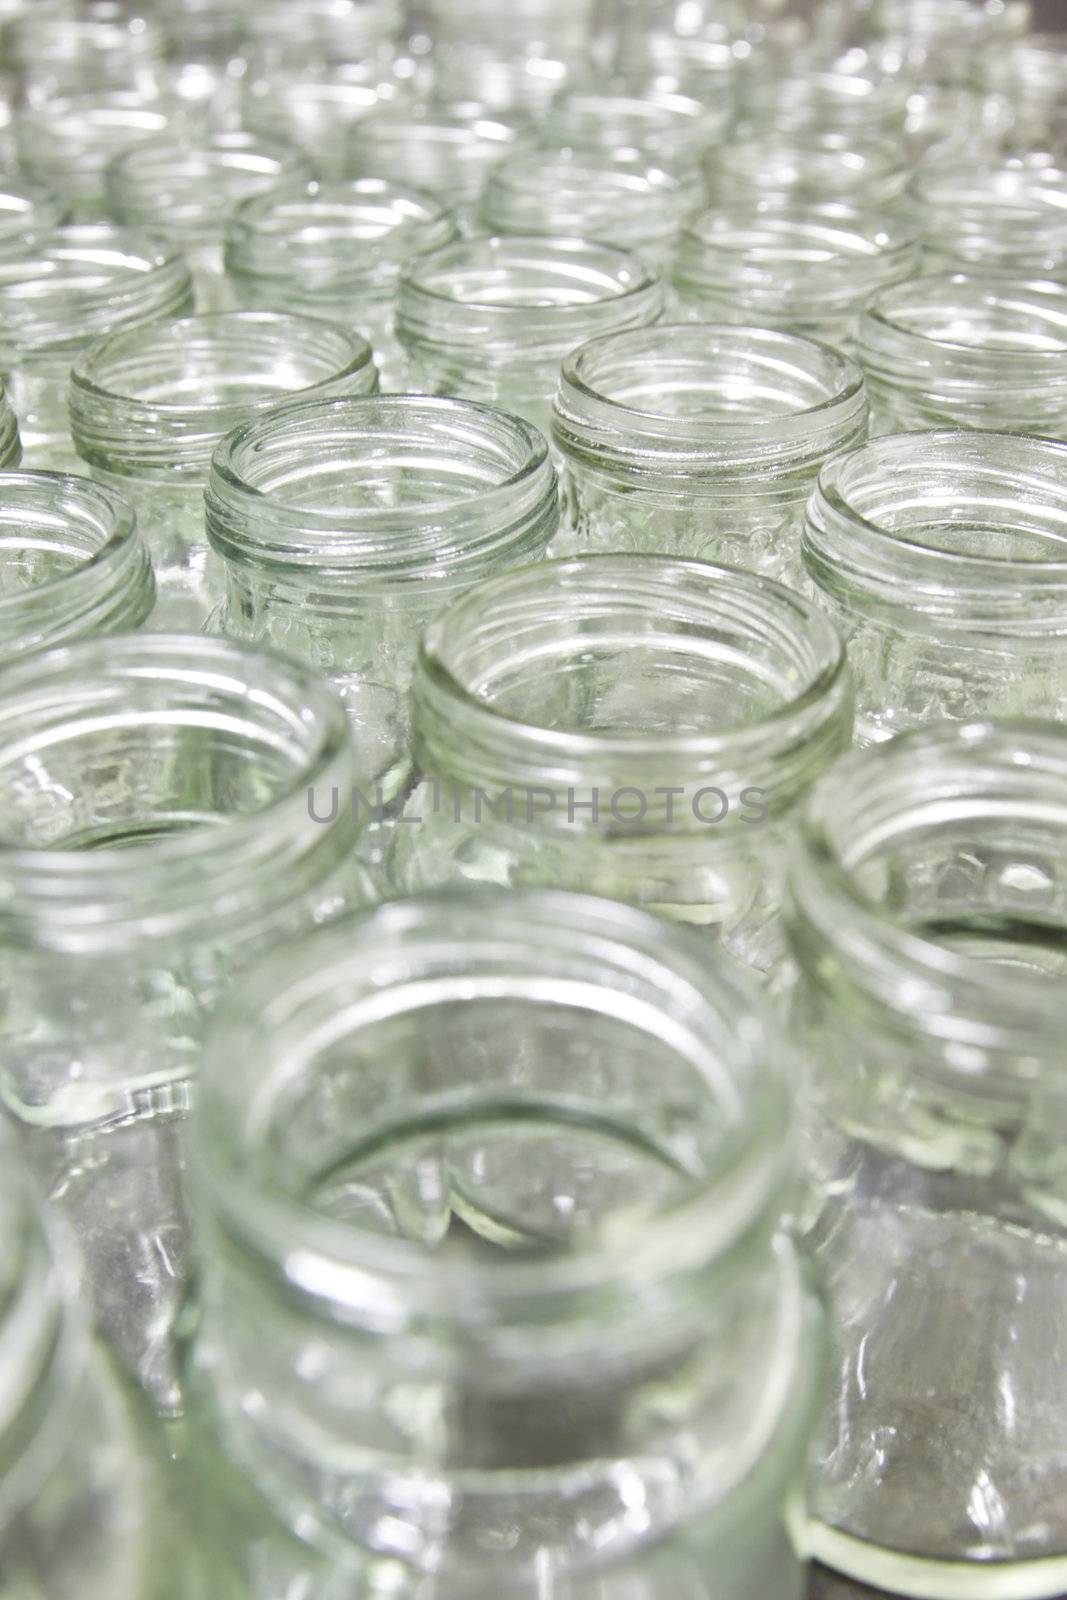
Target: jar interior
46,536
526,276
979,316
774,241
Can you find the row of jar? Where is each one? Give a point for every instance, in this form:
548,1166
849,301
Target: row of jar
492,1291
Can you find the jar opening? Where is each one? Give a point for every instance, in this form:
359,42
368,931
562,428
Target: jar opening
968,314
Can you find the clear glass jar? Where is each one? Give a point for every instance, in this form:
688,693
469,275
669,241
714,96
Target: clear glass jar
927,914
448,156
157,834
189,191
106,49
1002,216
940,40
148,407
865,105
808,270
281,33
335,250
943,560
510,58
671,128
317,108
631,726
808,169
66,144
492,319
953,351
77,285
72,563
576,194
28,213
86,1504
345,526
702,439
541,1285
1028,85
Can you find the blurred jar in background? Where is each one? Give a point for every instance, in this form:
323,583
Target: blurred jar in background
189,191
628,202
1002,215
867,106
807,270
109,48
335,250
674,129
449,155
156,835
75,286
317,108
1028,85
72,562
66,144
927,916
630,726
953,350
148,407
940,40
702,439
943,559
28,212
283,34
808,168
509,58
488,1180
492,319
345,526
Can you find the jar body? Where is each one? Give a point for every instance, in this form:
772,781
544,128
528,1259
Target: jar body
935,1107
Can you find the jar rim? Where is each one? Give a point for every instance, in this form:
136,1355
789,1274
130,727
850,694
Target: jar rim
82,496
549,251
885,311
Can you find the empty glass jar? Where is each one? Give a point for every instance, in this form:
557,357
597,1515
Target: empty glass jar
66,144
148,407
967,352
809,270
510,57
77,285
1002,216
671,128
943,560
627,725
28,213
492,1288
928,916
316,108
104,47
157,833
492,319
335,250
808,168
72,563
701,439
446,154
866,104
188,191
345,525
631,203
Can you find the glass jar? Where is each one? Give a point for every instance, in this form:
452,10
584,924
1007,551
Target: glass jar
28,213
335,250
576,194
940,40
927,914
510,58
283,33
492,1186
808,270
943,560
996,216
345,526
630,726
77,285
448,156
157,834
317,108
953,351
492,319
864,105
72,563
66,144
106,49
702,439
86,1508
148,407
808,168
189,191
673,129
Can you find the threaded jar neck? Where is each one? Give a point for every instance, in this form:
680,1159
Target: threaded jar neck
927,894
790,267
308,242
191,190
718,679
1006,217
634,204
961,343
107,843
496,302
351,495
83,282
943,530
708,407
72,563
809,167
153,403
28,213
447,156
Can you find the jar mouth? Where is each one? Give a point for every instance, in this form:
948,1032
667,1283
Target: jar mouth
59,535
440,973
830,166
943,907
714,674
986,319
572,193
159,399
667,123
819,250
82,281
703,397
180,184
103,841
395,485
502,295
